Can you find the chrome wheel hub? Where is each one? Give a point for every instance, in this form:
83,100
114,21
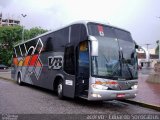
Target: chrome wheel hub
59,89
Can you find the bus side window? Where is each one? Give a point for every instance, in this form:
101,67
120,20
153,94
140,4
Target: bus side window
30,46
69,60
18,51
60,37
48,44
75,34
14,53
30,51
23,49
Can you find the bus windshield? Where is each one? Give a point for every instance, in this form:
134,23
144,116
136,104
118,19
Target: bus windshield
117,57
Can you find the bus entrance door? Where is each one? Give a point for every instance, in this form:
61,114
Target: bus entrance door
83,69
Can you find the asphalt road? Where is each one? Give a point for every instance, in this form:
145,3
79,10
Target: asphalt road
27,99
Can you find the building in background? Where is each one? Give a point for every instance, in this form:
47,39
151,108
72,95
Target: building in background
8,21
143,62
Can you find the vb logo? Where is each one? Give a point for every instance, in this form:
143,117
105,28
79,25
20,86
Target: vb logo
55,62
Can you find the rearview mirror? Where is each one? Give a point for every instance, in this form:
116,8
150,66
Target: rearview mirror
137,46
94,46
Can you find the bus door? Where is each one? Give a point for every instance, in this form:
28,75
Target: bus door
82,80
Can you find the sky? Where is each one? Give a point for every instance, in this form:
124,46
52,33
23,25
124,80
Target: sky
140,17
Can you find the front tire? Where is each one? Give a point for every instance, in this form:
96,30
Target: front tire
19,81
60,89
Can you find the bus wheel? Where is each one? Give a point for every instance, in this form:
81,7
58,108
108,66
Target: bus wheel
19,81
60,89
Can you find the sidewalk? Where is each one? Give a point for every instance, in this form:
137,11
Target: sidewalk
148,93
5,74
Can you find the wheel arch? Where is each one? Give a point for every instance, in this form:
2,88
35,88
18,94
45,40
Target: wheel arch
19,73
56,80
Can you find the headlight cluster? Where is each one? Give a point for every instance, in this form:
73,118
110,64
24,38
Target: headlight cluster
134,87
104,85
101,87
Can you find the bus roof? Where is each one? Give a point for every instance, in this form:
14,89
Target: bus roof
77,22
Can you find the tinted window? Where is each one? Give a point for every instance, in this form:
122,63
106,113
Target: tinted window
83,33
78,33
39,46
107,31
60,39
30,46
123,35
48,43
56,41
14,53
69,60
23,50
75,34
100,30
18,51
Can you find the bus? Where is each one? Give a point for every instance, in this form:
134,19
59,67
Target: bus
86,59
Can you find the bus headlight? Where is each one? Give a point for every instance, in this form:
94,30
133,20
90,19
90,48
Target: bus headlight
134,87
96,95
100,87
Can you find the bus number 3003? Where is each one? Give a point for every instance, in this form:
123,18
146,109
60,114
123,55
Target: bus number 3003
55,62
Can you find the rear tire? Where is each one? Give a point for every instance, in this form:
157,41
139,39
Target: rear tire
60,89
19,81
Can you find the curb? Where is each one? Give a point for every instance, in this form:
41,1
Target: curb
5,78
151,106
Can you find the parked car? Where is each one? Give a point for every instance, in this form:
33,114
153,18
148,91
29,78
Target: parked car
3,67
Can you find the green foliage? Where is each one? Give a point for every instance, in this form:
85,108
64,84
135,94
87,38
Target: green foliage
5,56
9,35
33,32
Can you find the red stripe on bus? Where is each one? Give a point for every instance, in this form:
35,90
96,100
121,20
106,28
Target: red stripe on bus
33,60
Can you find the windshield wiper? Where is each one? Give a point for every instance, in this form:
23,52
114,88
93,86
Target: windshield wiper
123,62
130,72
104,56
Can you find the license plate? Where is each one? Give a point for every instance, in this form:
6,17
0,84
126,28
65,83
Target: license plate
120,95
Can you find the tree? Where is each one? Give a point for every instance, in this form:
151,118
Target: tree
33,32
10,35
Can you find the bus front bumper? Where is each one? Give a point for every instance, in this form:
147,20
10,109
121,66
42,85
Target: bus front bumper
96,94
